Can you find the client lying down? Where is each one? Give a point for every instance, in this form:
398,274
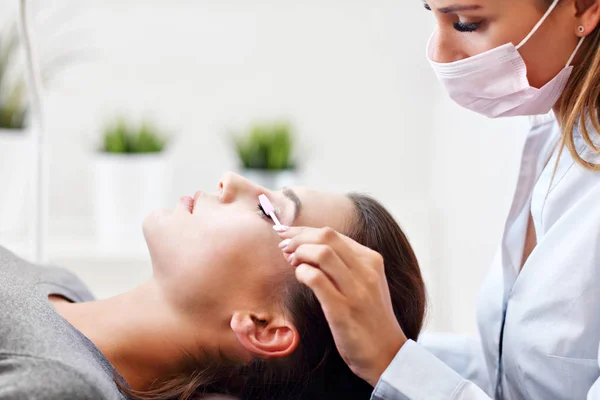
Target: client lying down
222,313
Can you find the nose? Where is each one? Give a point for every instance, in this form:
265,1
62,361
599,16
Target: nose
232,186
444,47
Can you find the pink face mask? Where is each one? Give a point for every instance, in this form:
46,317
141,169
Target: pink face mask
495,83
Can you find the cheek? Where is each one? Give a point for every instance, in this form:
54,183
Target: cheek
546,58
203,260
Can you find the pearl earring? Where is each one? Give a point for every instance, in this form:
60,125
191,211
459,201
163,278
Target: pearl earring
581,29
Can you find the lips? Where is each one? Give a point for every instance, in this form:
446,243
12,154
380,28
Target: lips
190,203
195,201
187,202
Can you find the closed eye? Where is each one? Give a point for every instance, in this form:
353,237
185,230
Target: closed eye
262,213
462,27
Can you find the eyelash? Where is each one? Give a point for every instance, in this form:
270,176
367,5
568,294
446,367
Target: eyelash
262,212
459,26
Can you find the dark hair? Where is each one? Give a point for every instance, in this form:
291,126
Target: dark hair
315,370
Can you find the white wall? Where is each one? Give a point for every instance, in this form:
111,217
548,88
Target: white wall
352,76
474,164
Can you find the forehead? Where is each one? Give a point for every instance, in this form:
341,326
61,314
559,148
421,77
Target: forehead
474,5
320,209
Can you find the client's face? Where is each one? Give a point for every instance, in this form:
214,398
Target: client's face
219,253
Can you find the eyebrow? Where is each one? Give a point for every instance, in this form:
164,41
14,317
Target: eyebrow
455,8
290,194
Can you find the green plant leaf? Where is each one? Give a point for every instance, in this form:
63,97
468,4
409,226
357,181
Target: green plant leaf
266,146
14,105
123,138
12,94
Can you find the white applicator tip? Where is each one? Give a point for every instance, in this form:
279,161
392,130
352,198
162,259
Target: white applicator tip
268,208
280,228
274,218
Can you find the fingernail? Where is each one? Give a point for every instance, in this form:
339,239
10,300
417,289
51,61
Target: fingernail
280,228
284,243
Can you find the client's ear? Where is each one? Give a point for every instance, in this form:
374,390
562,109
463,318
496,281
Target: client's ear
268,336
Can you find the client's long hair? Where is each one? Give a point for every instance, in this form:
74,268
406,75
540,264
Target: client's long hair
315,370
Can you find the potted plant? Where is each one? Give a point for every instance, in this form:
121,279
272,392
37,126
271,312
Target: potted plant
132,178
14,137
265,154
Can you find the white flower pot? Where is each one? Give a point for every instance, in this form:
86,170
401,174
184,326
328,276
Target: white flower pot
127,189
15,181
271,179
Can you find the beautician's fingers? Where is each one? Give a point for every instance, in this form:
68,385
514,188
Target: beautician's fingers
366,331
315,235
364,327
366,264
332,301
345,247
326,259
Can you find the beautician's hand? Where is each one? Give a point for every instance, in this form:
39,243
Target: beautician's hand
350,283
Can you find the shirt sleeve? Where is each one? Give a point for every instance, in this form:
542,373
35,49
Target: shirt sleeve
594,393
464,354
417,374
32,378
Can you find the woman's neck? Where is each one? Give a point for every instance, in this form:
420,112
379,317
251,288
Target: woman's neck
137,332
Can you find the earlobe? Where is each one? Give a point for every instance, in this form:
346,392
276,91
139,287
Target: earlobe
265,336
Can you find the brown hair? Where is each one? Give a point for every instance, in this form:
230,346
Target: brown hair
581,97
315,370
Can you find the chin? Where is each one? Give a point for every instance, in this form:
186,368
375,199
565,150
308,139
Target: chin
152,226
149,223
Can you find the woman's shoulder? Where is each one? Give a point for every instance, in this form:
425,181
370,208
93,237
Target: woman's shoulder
37,377
17,276
9,261
21,276
32,333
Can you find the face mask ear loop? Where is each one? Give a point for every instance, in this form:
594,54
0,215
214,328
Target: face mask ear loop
428,49
537,26
576,50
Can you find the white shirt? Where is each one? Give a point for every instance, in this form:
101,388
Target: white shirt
539,327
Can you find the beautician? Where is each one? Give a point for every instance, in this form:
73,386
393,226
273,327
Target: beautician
539,308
